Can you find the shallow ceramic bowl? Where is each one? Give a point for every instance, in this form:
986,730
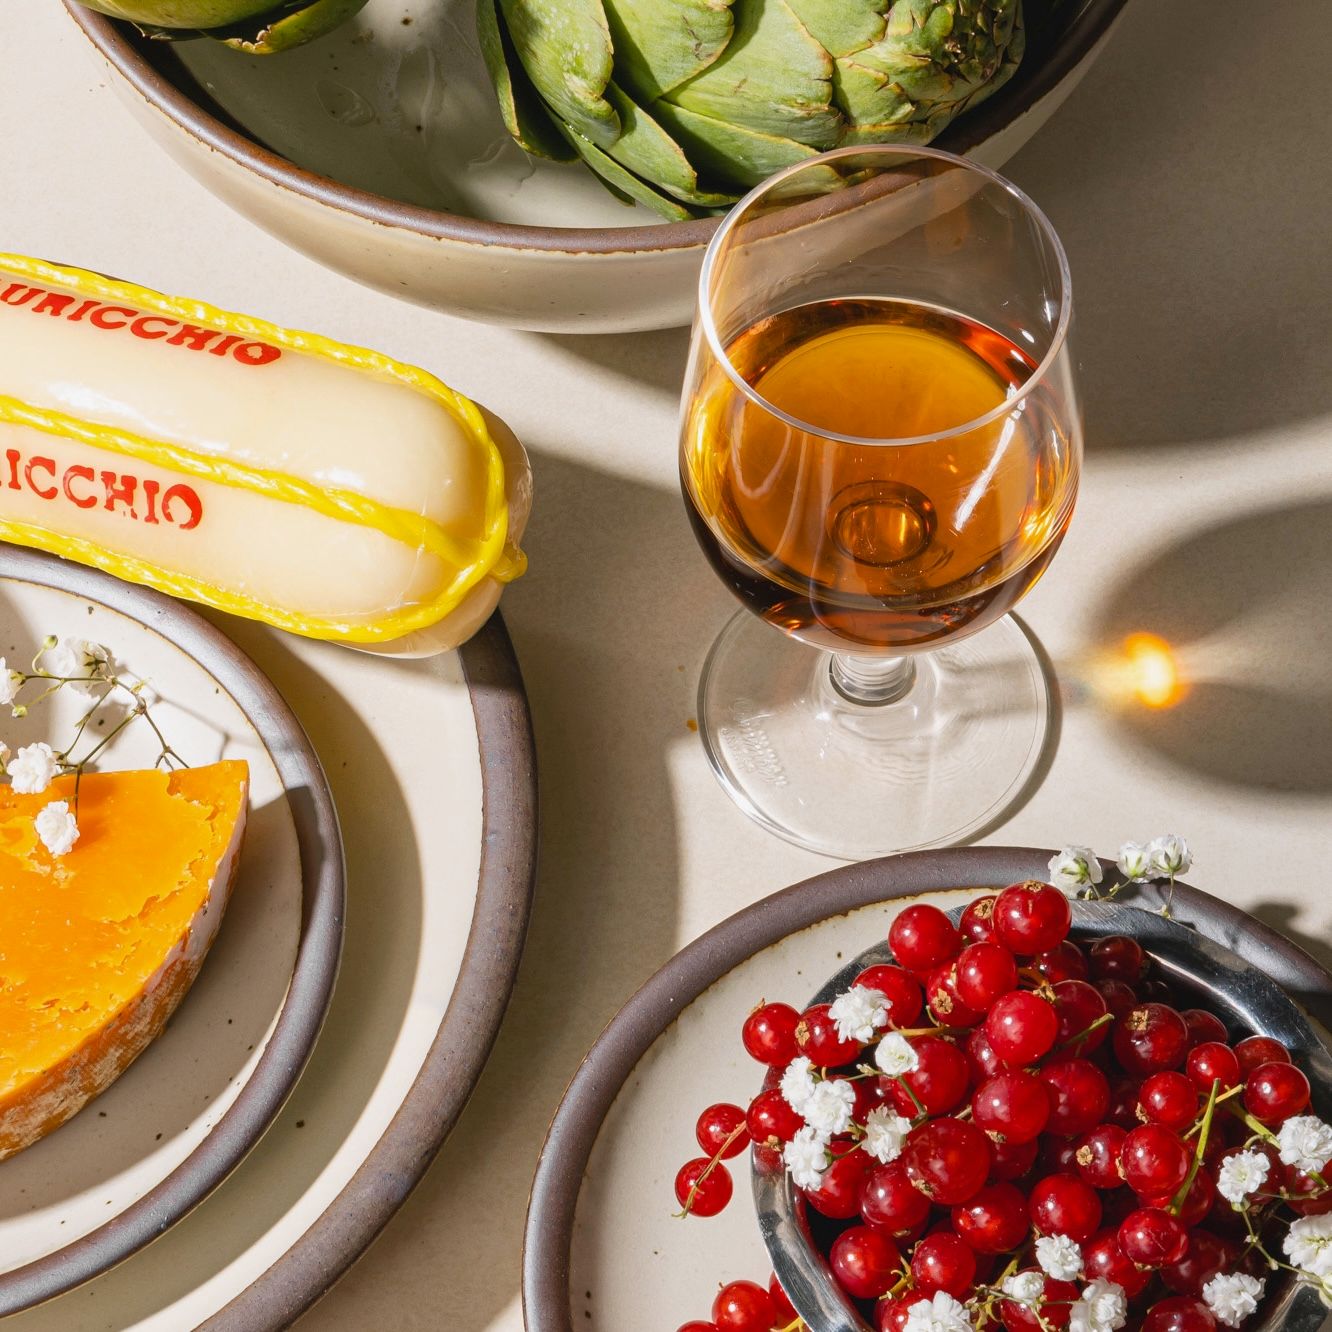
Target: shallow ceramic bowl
1209,973
379,151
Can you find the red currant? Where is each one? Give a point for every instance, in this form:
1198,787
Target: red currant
769,1034
942,1261
1275,1092
985,972
1012,1107
838,1194
1065,1205
1204,1027
864,1262
1079,1096
1149,1038
743,1306
1154,1161
893,1315
1119,997
981,1058
939,1080
977,923
1053,1314
900,989
1031,918
1255,1051
1063,963
1078,1006
1012,1160
1197,1201
889,1200
1021,1027
1102,1257
994,1220
1179,1314
1169,1098
717,1131
923,938
1124,1104
947,1160
1058,1155
1097,1156
770,1119
1207,1255
1117,957
816,1037
783,1310
698,1326
1212,1062
944,1001
703,1194
1153,1238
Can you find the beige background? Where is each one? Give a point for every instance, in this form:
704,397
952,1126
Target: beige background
1190,179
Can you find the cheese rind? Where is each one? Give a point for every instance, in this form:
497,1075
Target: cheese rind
98,947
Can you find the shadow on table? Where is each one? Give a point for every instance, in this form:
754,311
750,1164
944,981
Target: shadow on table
611,625
654,359
1247,609
1200,275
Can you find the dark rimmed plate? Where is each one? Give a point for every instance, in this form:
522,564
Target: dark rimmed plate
186,1114
600,1246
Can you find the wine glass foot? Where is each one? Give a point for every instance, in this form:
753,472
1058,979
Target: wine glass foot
932,768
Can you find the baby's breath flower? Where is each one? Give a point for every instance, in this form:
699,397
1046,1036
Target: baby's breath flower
1135,862
941,1314
1059,1257
797,1084
1024,1287
828,1110
9,683
1241,1174
57,827
859,1013
1075,867
806,1157
1308,1245
1170,855
1305,1141
896,1055
33,769
1102,1308
64,658
885,1132
1232,1297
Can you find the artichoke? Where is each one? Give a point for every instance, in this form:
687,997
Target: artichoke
259,27
684,104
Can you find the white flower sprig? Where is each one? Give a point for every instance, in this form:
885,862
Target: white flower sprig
1059,1257
85,670
1232,1297
1242,1175
1076,870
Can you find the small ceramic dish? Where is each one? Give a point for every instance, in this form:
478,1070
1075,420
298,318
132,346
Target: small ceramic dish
379,151
185,1114
602,1250
1209,974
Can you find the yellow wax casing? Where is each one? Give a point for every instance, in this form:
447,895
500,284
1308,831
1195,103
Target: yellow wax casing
318,487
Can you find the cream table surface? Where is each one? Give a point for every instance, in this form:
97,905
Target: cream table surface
1190,179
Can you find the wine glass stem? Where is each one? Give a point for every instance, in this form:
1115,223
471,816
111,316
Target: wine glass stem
871,681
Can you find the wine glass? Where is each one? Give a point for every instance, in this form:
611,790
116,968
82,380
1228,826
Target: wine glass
880,447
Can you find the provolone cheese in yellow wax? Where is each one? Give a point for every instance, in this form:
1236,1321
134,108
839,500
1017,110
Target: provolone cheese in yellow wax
319,487
99,945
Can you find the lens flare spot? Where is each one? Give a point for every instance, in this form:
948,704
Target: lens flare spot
1152,671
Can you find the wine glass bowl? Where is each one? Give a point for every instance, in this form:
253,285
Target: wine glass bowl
880,449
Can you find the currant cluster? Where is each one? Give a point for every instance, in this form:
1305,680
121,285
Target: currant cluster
1004,1129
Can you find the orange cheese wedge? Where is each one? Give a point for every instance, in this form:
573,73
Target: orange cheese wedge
98,946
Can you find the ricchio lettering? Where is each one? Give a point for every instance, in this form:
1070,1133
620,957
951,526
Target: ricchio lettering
142,499
141,324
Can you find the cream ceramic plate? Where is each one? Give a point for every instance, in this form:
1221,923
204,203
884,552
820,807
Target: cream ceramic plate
432,767
186,1112
602,1251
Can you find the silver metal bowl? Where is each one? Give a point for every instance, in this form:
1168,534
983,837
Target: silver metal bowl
1238,989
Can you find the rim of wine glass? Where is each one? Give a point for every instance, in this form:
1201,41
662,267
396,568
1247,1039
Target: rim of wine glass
1005,408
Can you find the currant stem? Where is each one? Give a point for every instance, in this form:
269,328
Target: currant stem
1104,1020
1204,1133
732,1137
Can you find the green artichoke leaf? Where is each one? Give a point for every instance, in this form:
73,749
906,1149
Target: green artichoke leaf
525,116
565,47
773,79
281,32
189,17
625,184
649,152
660,46
729,153
843,27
